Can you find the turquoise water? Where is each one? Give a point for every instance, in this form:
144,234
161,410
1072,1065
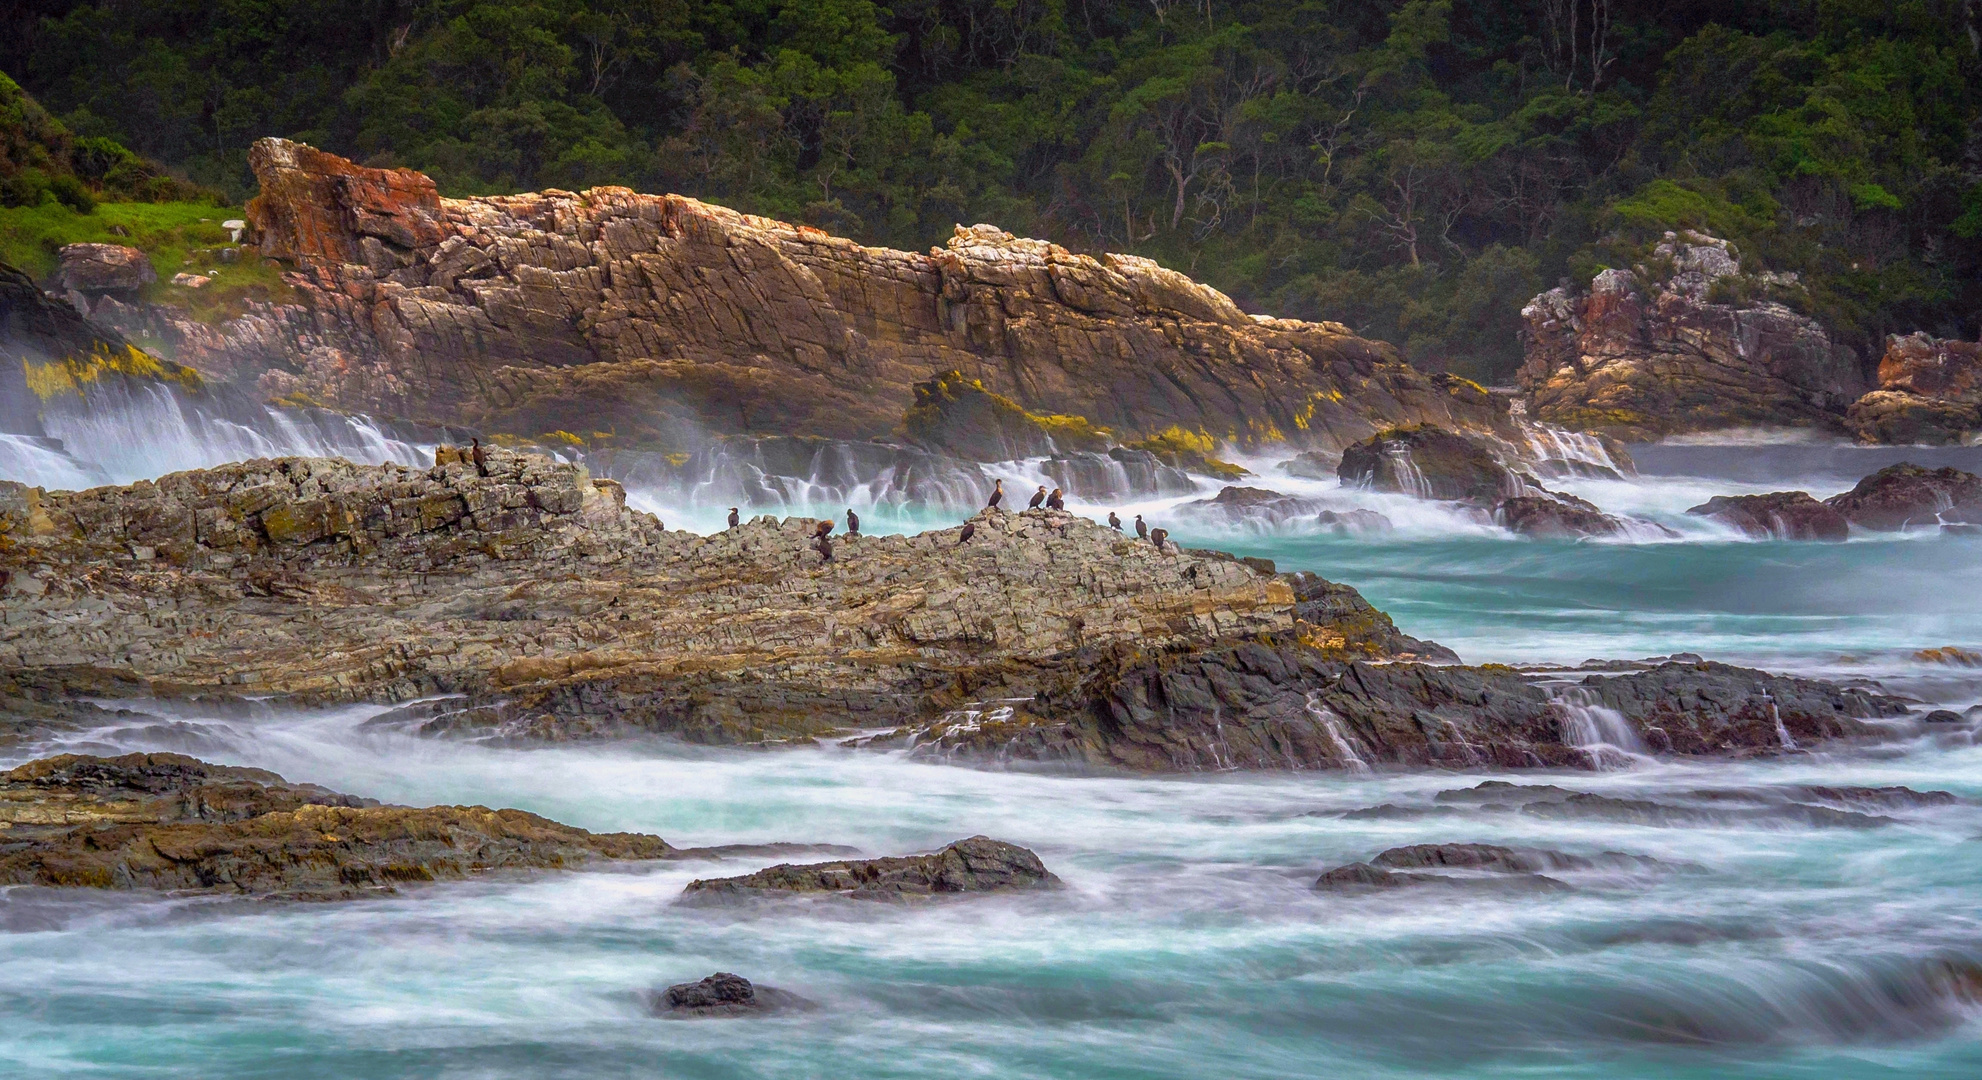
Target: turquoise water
1189,942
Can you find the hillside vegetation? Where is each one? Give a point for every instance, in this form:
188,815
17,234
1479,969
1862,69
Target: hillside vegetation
1416,168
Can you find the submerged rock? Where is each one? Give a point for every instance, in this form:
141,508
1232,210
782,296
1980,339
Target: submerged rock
1235,505
1354,522
724,994
1779,515
976,865
1472,864
165,821
1907,496
1555,516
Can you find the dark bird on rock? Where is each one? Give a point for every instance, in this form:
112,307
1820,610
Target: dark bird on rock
1055,502
733,519
1114,521
969,530
1142,530
479,457
825,548
1037,498
1158,536
852,523
997,494
825,528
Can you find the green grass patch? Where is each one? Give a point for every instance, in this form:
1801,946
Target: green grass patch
180,237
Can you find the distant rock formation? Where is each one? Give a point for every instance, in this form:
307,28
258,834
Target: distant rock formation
1930,392
665,319
1690,342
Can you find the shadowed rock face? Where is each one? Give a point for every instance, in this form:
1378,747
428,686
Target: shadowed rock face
1640,354
164,821
1907,496
976,865
1779,515
539,312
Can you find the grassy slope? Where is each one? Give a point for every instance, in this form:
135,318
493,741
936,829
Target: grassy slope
180,237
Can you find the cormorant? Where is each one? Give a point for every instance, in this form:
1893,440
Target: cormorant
969,530
733,519
480,458
1158,536
825,528
1114,521
852,523
825,548
1037,498
997,494
1142,531
1055,502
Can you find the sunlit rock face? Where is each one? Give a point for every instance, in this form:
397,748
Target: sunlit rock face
1930,391
651,315
1688,342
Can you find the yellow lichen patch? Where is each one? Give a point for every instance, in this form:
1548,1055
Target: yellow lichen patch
563,437
1304,415
677,459
71,374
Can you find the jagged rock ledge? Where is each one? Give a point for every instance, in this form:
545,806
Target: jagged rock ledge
531,604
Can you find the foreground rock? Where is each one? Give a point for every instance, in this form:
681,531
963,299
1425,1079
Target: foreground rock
1779,515
1908,496
1690,342
609,310
556,612
976,865
724,994
164,821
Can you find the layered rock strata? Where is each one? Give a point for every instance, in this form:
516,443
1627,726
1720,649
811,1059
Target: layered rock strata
663,318
165,821
559,613
1689,342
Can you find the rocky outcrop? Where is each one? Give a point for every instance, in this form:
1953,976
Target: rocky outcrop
50,353
164,821
1907,496
1688,342
1260,707
559,613
94,270
1555,517
724,994
1930,391
976,865
1778,515
959,417
512,312
1430,463
1473,864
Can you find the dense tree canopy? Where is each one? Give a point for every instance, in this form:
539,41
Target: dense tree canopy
1416,168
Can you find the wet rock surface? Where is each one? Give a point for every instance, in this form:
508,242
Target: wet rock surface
1555,517
1430,463
975,865
1907,496
1490,865
725,994
1778,515
166,821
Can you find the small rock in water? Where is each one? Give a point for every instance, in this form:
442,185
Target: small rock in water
1779,515
1942,716
976,865
724,994
1471,864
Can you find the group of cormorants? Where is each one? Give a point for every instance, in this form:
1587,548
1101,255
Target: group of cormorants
1054,500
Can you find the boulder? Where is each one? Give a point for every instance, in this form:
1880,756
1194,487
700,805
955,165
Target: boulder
1429,463
1690,342
724,994
95,269
166,821
1353,522
1929,392
1779,515
1555,516
1942,716
976,865
1901,418
1475,864
1909,496
1237,505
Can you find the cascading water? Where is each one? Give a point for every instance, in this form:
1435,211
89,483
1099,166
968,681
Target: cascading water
1782,730
1598,730
1345,751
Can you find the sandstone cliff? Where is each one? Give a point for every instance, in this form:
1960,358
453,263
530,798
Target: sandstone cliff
1689,342
661,319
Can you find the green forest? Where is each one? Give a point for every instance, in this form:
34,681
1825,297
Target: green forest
1414,168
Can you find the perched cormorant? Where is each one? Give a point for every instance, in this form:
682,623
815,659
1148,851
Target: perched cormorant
1114,521
733,519
825,548
997,494
480,458
969,530
1142,531
1037,498
1055,502
852,523
1158,536
825,528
